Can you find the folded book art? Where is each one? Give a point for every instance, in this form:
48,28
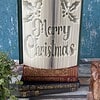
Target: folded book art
49,39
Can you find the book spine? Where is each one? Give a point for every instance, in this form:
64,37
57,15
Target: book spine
50,78
49,86
55,75
31,72
44,92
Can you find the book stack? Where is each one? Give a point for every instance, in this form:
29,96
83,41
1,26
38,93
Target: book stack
49,45
48,81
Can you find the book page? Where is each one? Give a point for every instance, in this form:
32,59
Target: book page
66,33
37,18
51,31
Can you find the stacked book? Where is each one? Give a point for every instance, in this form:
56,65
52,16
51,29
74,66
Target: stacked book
37,89
47,81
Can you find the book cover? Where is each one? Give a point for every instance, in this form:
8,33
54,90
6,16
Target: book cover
48,86
54,75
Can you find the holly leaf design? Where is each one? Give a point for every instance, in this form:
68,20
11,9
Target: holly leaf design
32,10
67,9
64,4
74,6
28,5
28,17
72,17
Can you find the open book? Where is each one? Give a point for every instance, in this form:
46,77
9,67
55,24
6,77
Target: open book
50,30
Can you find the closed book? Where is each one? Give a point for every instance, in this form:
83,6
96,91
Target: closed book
33,93
55,75
49,86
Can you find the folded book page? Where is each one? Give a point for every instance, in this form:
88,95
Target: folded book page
51,31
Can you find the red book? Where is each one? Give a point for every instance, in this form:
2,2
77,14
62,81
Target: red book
50,75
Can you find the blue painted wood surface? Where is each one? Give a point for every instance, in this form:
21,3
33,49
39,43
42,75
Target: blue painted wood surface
90,29
8,27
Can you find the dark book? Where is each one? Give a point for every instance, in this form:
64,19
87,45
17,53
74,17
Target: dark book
49,86
31,74
32,93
